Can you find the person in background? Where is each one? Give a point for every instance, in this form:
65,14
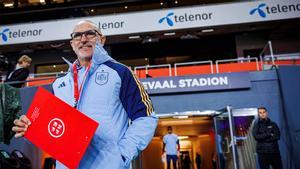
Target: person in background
20,73
214,160
198,161
220,151
186,161
266,133
170,141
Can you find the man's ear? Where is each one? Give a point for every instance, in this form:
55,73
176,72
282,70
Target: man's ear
102,40
71,43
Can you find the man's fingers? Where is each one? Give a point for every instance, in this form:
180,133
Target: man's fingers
19,129
17,135
19,123
21,126
25,119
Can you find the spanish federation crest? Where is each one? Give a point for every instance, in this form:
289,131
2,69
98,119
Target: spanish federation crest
101,78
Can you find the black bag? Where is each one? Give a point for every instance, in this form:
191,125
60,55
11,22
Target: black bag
7,161
24,161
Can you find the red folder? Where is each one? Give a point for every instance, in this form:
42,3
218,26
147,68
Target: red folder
59,129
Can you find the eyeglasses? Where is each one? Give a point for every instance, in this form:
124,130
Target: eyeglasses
88,34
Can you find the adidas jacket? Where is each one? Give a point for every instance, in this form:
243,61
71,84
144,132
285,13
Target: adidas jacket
114,97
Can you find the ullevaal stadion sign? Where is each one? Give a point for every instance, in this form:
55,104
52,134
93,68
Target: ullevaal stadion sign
210,82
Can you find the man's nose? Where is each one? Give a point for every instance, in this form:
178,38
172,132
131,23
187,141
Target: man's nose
83,38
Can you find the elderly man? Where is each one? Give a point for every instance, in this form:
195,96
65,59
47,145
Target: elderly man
109,93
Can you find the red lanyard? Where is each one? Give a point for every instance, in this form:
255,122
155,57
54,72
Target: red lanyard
76,90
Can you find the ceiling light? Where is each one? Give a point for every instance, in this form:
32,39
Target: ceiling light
189,36
182,117
92,10
176,122
169,33
161,4
207,30
54,66
42,1
149,39
203,135
176,2
183,137
9,5
126,7
134,37
57,45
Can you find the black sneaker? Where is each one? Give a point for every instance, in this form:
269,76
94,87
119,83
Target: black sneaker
7,161
22,159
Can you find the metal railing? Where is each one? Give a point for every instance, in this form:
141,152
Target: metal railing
39,77
194,63
153,66
236,60
272,58
269,44
56,74
291,56
30,80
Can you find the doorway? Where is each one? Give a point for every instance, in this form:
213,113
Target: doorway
195,134
208,134
234,141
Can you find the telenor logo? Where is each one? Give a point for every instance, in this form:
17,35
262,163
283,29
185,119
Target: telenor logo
259,10
264,10
166,18
173,19
8,34
3,35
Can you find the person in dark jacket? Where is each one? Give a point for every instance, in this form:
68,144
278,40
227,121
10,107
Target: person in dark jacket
10,106
186,161
267,134
198,160
20,73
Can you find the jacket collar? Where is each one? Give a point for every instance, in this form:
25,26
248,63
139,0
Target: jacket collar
99,57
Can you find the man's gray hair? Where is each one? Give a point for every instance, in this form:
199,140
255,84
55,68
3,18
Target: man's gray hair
89,22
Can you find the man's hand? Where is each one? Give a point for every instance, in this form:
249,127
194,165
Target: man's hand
21,126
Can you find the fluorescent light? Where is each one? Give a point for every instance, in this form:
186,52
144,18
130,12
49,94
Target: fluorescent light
169,33
134,37
182,117
9,5
183,137
207,30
